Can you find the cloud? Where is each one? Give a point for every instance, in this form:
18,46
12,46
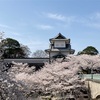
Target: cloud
13,34
5,26
94,25
98,15
34,43
45,27
37,45
90,21
60,17
56,16
16,34
95,16
94,20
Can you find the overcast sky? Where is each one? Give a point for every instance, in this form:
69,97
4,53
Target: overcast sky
34,22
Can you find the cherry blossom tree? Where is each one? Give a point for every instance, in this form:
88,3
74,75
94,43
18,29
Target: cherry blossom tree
59,77
9,89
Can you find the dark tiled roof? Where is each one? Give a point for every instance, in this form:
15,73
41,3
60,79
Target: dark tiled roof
27,60
60,36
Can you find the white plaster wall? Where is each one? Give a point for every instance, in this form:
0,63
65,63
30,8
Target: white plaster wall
53,54
59,44
94,88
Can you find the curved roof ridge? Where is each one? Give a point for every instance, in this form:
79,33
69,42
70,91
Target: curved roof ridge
59,36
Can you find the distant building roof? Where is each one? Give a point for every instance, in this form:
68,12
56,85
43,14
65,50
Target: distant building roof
59,36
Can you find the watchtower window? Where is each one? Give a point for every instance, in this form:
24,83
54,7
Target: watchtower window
59,44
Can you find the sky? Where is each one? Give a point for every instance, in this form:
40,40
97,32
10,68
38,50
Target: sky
34,22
